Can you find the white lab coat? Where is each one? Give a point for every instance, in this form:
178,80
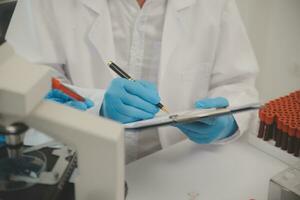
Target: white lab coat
205,50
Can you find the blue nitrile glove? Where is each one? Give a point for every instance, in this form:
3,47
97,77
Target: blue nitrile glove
2,139
129,101
211,129
60,97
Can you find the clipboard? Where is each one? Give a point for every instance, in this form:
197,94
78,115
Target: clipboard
189,116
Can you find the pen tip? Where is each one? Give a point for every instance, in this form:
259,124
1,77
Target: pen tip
165,110
109,62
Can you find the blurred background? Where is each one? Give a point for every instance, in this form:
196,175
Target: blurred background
274,30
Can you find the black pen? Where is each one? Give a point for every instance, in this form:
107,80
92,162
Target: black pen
123,74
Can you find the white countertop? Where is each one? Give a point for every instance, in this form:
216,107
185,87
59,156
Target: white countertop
236,171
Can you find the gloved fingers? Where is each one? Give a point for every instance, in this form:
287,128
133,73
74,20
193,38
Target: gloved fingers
125,119
56,94
118,116
128,101
60,97
137,89
229,126
147,84
196,137
222,127
130,111
77,104
219,102
137,102
201,133
197,127
58,100
89,103
208,120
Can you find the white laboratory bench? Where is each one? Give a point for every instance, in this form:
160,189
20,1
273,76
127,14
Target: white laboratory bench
187,171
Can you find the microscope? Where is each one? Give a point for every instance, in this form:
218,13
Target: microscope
92,144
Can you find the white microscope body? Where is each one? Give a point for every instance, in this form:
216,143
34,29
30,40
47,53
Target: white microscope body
99,142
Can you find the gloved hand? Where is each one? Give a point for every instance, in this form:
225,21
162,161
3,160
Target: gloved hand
129,101
2,139
60,97
211,129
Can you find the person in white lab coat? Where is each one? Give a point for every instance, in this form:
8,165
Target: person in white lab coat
191,49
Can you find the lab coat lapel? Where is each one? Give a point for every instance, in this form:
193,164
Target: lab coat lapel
100,34
173,29
93,5
175,21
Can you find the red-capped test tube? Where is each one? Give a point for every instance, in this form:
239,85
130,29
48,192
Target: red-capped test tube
269,126
297,145
262,124
284,137
291,137
279,122
56,84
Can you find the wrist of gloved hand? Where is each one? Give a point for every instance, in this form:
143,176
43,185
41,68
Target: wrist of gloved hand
129,101
60,97
211,129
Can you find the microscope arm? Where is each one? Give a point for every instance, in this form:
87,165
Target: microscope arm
98,142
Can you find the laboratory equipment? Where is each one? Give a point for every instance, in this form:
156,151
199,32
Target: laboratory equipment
6,10
280,122
17,166
98,142
286,184
40,172
56,84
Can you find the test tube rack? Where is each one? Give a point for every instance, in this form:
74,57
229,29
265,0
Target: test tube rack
280,122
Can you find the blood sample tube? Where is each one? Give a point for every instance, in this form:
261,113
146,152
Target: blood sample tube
284,136
274,126
298,96
291,137
262,124
56,84
297,145
266,127
278,132
269,122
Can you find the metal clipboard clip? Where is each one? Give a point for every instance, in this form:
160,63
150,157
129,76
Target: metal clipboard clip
213,112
